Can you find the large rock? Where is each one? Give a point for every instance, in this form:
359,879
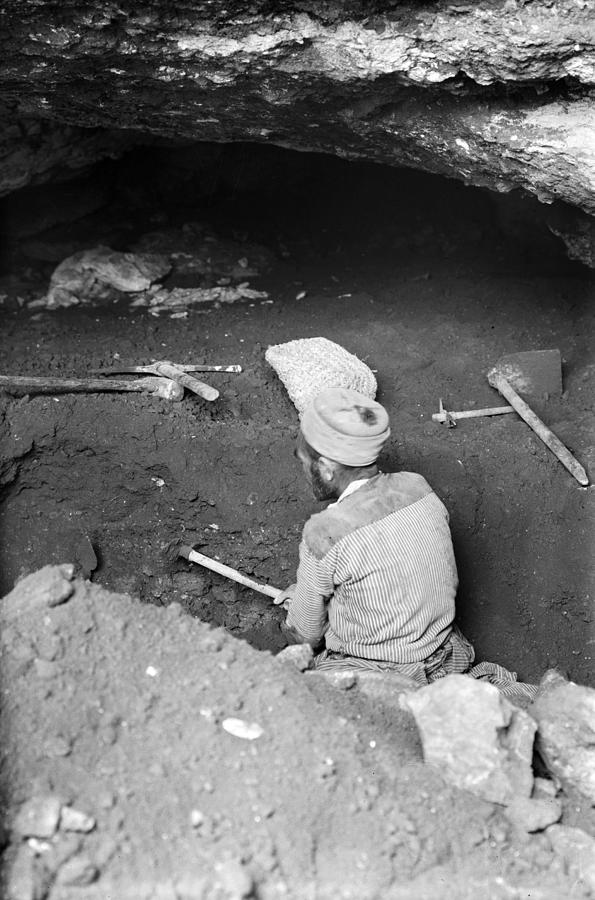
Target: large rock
478,740
565,713
50,586
577,849
474,91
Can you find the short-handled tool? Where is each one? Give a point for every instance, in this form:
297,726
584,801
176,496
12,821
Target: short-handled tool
169,370
450,419
114,370
25,384
532,372
215,566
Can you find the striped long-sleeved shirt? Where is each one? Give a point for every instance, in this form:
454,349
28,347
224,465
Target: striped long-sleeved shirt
377,575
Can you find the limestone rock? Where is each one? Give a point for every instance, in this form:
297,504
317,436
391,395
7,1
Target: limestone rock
49,586
565,715
467,90
99,272
343,680
38,817
577,849
74,820
534,814
478,740
385,686
297,655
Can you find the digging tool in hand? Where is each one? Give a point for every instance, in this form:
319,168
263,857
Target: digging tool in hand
537,372
25,384
175,550
176,373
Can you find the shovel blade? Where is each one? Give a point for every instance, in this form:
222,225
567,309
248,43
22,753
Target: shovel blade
533,373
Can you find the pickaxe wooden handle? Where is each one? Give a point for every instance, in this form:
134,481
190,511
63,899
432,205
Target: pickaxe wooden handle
215,566
167,370
29,384
446,417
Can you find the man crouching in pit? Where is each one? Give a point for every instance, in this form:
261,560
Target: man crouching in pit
377,576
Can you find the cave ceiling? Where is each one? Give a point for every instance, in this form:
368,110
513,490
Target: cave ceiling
496,94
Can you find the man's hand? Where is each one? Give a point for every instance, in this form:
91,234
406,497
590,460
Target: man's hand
285,597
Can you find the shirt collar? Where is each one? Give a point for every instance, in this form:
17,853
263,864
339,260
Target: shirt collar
352,487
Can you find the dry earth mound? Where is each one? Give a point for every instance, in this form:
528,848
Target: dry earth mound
147,755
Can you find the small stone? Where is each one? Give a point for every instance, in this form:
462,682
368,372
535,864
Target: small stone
23,651
543,787
235,879
77,871
38,847
298,656
108,734
577,849
38,817
344,681
45,669
534,815
478,740
74,820
106,800
565,715
49,646
248,731
189,886
57,746
196,818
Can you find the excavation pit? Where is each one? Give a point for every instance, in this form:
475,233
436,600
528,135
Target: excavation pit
427,281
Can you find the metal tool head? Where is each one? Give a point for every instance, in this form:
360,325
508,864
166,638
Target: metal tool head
532,373
444,416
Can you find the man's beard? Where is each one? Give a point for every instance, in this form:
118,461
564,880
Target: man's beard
322,490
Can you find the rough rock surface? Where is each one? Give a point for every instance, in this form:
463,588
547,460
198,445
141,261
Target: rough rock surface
477,739
534,814
330,801
577,849
496,94
565,713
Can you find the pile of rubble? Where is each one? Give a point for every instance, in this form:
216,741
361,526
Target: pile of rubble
149,756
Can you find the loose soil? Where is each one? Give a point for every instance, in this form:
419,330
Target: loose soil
119,708
429,283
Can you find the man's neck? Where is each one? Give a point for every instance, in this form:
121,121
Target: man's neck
344,479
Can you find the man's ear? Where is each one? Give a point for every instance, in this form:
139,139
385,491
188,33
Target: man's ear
326,467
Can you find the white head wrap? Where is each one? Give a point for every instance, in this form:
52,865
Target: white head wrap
346,426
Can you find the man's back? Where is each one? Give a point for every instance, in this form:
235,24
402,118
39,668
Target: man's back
383,554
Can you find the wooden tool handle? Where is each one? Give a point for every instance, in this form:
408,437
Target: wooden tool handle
193,384
27,383
235,369
215,566
541,430
472,413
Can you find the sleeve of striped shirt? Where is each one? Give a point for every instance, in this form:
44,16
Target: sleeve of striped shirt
307,613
